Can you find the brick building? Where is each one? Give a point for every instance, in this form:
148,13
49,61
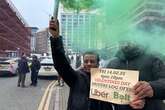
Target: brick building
14,31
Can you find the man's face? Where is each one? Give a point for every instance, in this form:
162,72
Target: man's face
90,61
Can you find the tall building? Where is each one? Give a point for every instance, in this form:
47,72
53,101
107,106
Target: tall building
149,13
78,30
14,31
33,38
42,42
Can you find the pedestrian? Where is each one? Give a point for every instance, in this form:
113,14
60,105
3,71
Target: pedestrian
23,69
78,61
60,80
35,66
72,59
151,85
77,80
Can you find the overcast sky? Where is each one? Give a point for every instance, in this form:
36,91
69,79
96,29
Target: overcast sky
35,12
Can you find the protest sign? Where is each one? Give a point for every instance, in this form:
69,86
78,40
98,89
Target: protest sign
113,85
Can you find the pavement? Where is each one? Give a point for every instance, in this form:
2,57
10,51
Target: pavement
59,98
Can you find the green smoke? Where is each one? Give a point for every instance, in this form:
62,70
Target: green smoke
115,17
114,24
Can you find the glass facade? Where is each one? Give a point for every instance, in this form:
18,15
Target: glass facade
78,30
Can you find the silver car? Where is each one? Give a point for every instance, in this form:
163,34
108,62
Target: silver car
8,67
47,67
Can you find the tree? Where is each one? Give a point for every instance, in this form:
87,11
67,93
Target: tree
73,5
77,4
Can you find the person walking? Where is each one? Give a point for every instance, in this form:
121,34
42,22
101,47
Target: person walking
23,69
35,66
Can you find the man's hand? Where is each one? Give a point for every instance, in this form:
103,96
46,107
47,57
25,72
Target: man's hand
137,103
143,89
54,28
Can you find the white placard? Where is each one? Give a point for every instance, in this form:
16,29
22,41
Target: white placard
113,85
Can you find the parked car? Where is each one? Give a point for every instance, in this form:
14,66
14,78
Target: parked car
8,67
47,67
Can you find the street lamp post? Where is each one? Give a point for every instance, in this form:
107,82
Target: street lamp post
18,52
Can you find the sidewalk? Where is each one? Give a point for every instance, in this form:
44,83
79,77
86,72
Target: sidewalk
59,98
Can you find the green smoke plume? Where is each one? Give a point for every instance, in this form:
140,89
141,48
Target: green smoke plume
117,18
114,23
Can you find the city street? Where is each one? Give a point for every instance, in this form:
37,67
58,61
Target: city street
115,47
16,98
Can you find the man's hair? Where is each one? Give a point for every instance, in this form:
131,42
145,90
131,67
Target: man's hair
92,53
